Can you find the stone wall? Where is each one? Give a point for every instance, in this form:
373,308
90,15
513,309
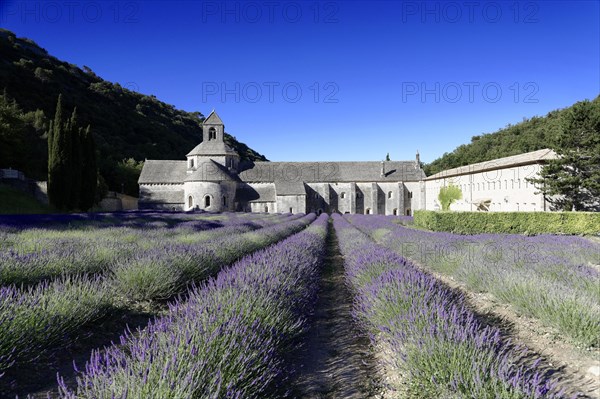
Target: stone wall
506,189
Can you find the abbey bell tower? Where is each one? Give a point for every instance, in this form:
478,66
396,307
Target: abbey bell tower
213,146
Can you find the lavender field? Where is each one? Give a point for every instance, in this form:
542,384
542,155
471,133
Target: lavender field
229,300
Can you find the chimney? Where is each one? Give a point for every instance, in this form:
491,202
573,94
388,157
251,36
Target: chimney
418,161
382,169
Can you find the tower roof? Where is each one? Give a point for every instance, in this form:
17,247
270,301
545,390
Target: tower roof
210,171
212,147
213,119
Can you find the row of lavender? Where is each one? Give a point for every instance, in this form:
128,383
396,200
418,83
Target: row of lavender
552,278
30,255
37,319
226,340
437,344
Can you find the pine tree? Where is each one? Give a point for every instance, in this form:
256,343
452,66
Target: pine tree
572,182
89,168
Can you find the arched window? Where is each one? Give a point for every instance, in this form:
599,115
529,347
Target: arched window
408,212
207,201
291,210
212,133
343,195
395,212
368,211
192,163
266,209
390,194
190,202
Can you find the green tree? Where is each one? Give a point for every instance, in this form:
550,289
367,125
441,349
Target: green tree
572,181
387,157
59,160
89,174
449,194
72,165
76,160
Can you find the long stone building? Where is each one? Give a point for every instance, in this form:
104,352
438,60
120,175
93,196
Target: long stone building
213,179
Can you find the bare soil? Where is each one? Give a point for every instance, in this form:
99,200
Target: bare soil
335,360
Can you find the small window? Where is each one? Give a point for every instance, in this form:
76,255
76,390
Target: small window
212,133
291,210
395,212
408,212
190,202
390,194
368,211
343,195
191,163
266,209
410,194
207,201
224,201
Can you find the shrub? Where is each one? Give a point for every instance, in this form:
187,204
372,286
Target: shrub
510,222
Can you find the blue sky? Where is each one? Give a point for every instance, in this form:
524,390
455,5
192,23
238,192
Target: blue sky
334,80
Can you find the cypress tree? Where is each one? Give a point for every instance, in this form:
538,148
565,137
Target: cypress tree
58,153
75,163
89,168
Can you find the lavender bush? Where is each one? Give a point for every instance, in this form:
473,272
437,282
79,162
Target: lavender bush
35,319
31,255
163,272
438,344
546,277
225,340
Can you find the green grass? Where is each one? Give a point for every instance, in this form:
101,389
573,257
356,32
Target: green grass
13,201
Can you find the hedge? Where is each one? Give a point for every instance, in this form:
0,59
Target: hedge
510,222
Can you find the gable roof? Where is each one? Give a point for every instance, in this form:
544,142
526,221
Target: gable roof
289,187
527,158
213,119
155,172
210,171
255,193
313,172
212,147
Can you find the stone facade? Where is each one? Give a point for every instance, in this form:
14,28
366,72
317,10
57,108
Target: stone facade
500,185
213,179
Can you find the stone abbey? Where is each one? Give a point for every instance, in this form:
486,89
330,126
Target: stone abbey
213,179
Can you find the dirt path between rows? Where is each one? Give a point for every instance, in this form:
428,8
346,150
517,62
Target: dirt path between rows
578,369
335,360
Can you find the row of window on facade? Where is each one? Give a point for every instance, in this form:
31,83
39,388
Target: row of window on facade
491,185
498,206
390,195
207,201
